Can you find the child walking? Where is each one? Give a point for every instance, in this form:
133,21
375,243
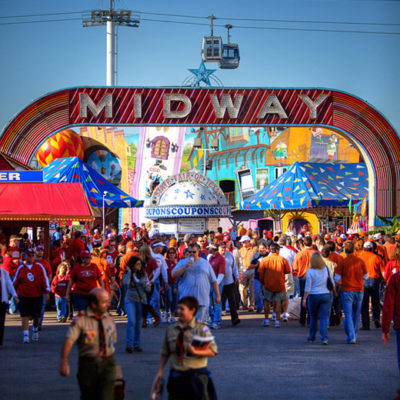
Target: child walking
59,288
187,345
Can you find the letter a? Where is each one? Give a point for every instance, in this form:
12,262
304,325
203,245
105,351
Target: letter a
272,106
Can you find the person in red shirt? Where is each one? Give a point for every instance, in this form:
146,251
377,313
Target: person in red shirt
31,283
13,252
391,311
59,287
217,262
112,253
172,291
84,277
58,256
77,247
272,270
392,266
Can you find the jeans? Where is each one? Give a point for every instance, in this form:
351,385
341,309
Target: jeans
61,306
42,312
248,283
134,326
258,296
155,298
216,308
303,310
171,298
319,306
398,347
121,301
371,290
296,286
202,314
79,301
228,293
351,303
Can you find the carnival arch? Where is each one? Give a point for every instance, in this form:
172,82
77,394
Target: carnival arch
350,116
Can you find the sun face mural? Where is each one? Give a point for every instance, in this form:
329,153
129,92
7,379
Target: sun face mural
63,144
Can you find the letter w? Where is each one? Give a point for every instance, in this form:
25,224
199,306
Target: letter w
226,103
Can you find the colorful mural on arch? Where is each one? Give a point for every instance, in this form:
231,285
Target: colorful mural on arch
245,161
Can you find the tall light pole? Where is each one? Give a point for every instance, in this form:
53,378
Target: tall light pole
111,18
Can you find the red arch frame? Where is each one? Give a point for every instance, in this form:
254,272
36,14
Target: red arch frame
361,122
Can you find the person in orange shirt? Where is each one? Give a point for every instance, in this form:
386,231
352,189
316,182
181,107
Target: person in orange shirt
301,264
99,258
375,267
241,230
352,271
272,272
130,252
390,245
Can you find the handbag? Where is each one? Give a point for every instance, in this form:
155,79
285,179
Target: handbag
329,283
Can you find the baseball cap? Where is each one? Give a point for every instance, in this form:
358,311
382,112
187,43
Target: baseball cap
154,233
39,247
29,252
350,236
227,238
244,238
327,236
343,236
158,244
368,245
84,254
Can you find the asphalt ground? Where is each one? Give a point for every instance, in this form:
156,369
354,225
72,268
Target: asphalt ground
253,363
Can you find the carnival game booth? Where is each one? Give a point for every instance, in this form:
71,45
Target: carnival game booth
34,205
188,202
100,193
312,194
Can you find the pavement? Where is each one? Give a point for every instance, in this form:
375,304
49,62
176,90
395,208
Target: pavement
254,362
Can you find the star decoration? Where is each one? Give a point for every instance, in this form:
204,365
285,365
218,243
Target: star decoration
189,194
202,74
202,197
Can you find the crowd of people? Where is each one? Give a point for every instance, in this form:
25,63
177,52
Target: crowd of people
331,278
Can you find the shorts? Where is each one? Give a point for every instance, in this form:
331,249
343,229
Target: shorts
30,306
273,296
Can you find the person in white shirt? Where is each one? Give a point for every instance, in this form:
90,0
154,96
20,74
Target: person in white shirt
289,256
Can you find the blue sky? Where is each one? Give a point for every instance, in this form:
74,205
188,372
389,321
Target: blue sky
45,57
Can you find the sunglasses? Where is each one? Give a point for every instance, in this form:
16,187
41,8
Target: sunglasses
85,258
192,252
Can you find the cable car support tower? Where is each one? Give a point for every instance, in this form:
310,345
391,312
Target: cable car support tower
111,18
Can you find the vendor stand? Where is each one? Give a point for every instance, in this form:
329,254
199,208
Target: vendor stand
36,204
188,202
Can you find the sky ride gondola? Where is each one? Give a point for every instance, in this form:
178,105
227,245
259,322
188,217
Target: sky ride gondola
230,53
211,48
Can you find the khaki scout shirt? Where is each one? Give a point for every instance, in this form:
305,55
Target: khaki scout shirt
168,348
85,329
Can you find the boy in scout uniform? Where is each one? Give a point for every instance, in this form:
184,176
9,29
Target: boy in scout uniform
96,334
187,348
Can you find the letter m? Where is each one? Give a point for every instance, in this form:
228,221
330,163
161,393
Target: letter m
86,102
